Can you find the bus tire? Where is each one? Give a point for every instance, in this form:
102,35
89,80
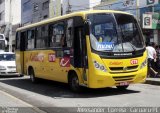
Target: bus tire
122,87
74,82
32,76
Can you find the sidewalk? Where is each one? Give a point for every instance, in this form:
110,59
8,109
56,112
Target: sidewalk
11,104
153,81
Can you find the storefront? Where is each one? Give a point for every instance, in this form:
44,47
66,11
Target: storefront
150,20
151,27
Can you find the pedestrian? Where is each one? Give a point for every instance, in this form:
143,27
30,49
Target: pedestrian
151,54
157,58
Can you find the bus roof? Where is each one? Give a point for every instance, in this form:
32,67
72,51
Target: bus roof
80,13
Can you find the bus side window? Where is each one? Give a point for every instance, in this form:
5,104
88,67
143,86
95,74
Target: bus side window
44,36
57,36
24,38
31,36
18,40
69,33
39,44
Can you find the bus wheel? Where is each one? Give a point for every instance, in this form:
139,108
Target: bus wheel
74,83
32,76
122,87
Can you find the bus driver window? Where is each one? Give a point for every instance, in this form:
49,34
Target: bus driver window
63,41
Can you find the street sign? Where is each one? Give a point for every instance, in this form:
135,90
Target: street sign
151,21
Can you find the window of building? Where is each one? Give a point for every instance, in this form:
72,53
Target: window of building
45,17
45,5
35,7
2,15
27,6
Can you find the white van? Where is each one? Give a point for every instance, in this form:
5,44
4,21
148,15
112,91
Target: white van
7,64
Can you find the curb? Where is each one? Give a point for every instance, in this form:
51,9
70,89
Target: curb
153,81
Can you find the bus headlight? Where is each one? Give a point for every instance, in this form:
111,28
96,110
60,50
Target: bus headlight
2,68
144,63
99,66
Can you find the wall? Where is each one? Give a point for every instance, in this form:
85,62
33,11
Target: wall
16,12
32,11
2,11
77,5
55,8
150,6
123,5
94,3
7,9
26,13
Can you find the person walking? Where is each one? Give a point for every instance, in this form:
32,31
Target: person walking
151,54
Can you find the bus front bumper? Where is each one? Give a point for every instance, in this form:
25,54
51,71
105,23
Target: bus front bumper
109,80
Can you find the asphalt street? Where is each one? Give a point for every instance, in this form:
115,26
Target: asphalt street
50,97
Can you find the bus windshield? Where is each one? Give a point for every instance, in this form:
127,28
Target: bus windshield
114,33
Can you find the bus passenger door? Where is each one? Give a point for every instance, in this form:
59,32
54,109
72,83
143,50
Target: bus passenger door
80,52
20,52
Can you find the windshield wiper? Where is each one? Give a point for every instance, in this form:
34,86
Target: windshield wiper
134,49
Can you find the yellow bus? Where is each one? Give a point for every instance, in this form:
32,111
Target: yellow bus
95,49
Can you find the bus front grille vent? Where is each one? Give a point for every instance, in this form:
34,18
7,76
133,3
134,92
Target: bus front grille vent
124,78
123,69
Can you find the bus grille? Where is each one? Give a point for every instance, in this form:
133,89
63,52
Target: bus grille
124,78
127,69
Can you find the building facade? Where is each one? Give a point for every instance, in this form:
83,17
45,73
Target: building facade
34,11
69,6
150,20
10,19
55,8
38,10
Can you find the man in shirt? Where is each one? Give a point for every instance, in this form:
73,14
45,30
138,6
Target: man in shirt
151,53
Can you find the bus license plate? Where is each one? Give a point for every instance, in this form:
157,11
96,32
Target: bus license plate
123,83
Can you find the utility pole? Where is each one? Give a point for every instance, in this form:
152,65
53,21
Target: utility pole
10,25
69,7
137,10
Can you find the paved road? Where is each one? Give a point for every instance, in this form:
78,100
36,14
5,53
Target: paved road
11,104
49,95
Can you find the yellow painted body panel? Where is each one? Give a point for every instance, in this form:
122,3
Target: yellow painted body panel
42,67
19,62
